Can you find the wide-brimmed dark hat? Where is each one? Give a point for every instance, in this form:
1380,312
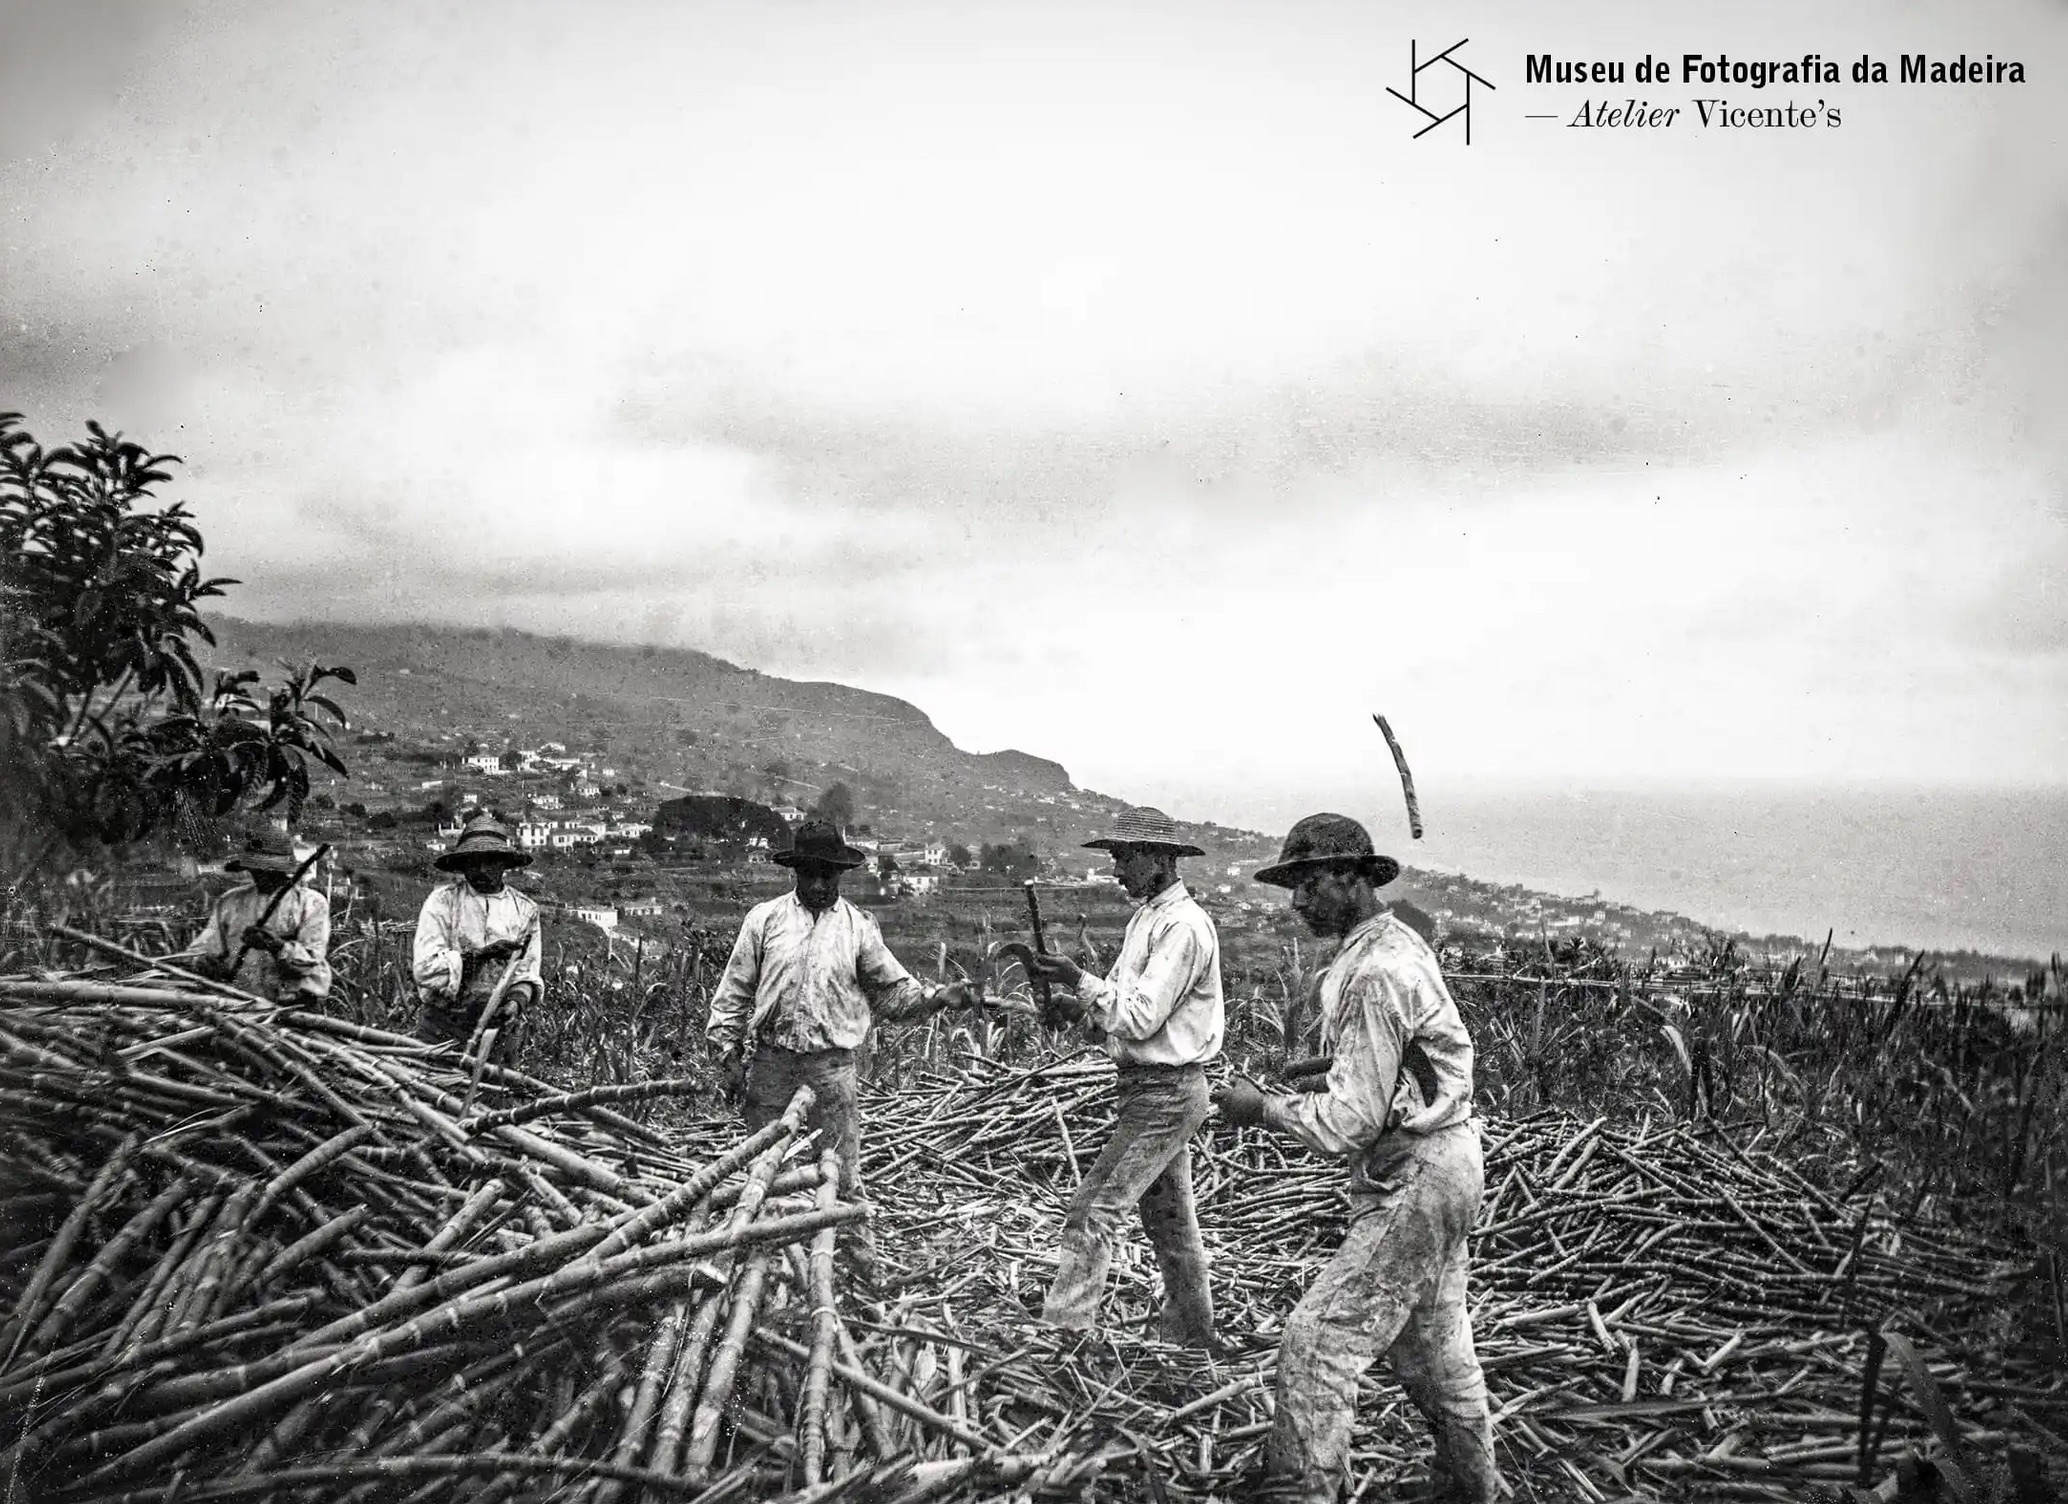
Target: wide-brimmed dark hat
264,851
818,843
483,841
1145,827
1328,841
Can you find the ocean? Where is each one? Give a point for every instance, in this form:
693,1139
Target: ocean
1938,868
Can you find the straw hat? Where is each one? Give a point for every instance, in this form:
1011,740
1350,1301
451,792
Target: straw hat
1328,840
483,840
818,843
1145,827
264,851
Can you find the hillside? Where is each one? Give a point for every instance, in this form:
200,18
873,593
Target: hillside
662,722
672,720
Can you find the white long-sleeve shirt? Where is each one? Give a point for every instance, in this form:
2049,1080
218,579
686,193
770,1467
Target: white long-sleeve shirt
809,982
302,921
1403,1059
456,920
1161,1003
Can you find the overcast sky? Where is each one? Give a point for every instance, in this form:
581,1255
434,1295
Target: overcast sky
1120,381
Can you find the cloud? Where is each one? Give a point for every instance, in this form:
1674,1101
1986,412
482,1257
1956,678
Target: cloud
985,355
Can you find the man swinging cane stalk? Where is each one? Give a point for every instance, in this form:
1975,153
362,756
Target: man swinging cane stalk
1398,1105
1163,1019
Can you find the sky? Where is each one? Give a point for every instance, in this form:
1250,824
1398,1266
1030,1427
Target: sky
1122,382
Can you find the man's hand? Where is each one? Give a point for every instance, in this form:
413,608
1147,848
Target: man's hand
495,950
965,996
1057,970
518,999
732,1075
1064,1011
1241,1102
259,939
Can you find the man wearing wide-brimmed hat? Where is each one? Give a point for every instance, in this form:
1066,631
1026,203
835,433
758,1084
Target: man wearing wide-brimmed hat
1161,1013
1398,1107
277,949
807,977
473,931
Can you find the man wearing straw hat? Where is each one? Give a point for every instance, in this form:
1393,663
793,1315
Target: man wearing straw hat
473,933
269,935
1161,1013
807,977
1397,1106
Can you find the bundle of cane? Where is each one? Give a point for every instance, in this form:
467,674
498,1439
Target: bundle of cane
267,1253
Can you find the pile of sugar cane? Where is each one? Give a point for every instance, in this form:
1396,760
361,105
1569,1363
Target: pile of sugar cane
262,1254
252,1253
1660,1313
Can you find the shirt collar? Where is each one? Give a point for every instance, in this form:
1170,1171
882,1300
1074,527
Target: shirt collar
1168,896
1368,930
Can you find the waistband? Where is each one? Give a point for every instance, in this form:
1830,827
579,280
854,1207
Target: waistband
831,1057
1149,1070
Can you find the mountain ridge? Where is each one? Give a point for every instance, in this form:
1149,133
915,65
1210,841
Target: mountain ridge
682,718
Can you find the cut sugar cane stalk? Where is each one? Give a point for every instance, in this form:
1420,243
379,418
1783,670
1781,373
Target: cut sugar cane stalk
1407,779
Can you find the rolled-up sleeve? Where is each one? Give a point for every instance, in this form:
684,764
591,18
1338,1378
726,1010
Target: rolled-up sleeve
305,954
436,960
891,990
1350,1114
1138,1007
733,998
211,942
531,956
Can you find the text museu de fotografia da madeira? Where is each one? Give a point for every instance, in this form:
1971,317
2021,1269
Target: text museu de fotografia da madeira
1706,69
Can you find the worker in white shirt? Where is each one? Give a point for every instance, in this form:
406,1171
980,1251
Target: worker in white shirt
1397,1109
269,935
472,931
808,976
1163,1019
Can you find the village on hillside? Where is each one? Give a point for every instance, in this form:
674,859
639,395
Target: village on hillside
619,849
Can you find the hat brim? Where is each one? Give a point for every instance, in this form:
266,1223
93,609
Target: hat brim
1383,869
847,862
253,863
456,861
1110,843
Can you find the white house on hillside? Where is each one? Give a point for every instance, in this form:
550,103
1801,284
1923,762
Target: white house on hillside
603,917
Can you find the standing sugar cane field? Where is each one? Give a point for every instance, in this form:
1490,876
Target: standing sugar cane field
1747,1234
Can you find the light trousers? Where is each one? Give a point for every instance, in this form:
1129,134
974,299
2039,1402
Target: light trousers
1396,1287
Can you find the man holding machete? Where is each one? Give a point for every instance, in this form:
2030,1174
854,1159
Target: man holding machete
270,935
474,935
807,977
1398,1106
1163,1020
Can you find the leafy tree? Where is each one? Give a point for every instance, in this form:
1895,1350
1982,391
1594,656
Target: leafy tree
109,730
959,855
886,865
836,804
511,760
